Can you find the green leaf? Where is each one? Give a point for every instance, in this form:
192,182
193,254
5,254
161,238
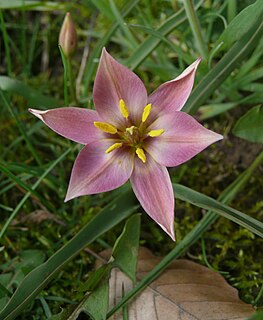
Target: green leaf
203,225
30,4
223,69
152,42
241,24
35,281
214,109
208,203
125,250
34,97
96,306
250,125
256,316
95,277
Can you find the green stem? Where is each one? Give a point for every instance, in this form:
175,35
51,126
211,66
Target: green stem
71,81
6,44
65,66
196,28
203,225
20,127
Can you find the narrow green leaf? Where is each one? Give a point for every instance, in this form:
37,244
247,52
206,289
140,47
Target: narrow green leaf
34,97
152,42
241,24
214,109
35,281
200,200
223,69
203,225
95,277
28,194
250,125
30,4
125,251
92,62
96,306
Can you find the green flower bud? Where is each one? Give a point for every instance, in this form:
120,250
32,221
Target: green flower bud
68,36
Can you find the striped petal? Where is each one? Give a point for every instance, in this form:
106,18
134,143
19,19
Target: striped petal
152,186
172,95
115,82
76,124
182,139
95,171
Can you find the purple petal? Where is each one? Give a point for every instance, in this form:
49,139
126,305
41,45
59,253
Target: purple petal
182,139
152,186
172,95
76,124
94,171
114,82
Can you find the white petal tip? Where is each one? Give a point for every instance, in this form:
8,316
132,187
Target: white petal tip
37,113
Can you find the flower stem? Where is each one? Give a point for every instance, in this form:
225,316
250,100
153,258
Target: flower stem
196,28
65,66
71,82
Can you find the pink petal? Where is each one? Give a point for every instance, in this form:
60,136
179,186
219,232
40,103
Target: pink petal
152,186
172,95
183,138
114,82
72,123
94,171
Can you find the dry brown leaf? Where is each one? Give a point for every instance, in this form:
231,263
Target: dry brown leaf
185,291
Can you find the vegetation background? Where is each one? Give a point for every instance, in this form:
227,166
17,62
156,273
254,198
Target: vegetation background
156,39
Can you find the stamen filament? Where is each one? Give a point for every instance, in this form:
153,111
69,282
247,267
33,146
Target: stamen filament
155,133
113,147
146,112
106,127
123,108
141,155
130,130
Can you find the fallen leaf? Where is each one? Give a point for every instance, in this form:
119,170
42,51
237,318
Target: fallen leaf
185,291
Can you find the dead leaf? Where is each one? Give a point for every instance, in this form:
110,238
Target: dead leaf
185,291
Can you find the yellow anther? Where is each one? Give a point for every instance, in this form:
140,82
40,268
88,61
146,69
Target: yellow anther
124,109
155,133
146,112
113,147
130,130
106,127
141,155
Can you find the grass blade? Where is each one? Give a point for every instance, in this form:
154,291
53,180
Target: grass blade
28,194
200,200
119,209
223,69
20,127
227,195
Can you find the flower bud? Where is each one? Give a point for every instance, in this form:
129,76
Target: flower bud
68,36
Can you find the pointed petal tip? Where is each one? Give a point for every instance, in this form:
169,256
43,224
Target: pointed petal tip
37,113
169,231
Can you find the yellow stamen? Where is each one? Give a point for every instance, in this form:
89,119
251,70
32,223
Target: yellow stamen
141,155
124,109
155,133
146,112
113,147
130,130
106,127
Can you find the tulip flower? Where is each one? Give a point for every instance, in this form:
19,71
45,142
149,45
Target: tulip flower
131,136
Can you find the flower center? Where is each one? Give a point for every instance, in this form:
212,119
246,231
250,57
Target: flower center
132,137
